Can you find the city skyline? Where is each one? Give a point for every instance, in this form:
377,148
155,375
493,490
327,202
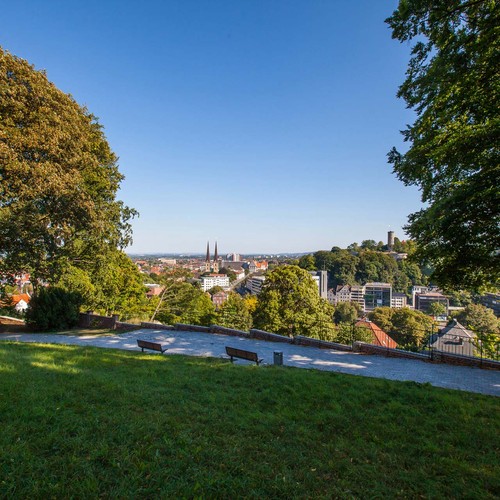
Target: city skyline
265,125
212,250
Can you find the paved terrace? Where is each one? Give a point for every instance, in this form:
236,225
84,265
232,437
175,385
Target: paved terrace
213,345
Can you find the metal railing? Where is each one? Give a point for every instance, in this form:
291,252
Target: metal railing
477,345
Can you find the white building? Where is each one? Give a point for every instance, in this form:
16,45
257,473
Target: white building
321,279
399,300
254,284
358,295
342,294
208,282
330,296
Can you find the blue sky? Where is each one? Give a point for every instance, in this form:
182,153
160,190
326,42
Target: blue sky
261,124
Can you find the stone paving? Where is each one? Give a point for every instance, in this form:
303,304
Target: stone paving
213,345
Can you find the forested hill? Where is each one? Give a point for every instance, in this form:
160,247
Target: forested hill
360,265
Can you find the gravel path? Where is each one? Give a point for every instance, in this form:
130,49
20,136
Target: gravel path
213,345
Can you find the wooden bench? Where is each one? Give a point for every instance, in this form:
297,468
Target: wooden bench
232,352
144,344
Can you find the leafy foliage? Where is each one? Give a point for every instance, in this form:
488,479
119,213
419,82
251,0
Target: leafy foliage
289,303
483,322
235,313
307,262
53,309
480,319
360,266
406,326
437,309
109,285
346,312
453,85
346,333
182,302
58,178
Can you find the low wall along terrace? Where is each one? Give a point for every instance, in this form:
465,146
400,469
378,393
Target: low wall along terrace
90,320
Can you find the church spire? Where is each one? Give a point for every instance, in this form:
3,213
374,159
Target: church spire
207,260
216,260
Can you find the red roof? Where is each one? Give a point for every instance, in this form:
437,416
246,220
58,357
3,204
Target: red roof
15,299
379,336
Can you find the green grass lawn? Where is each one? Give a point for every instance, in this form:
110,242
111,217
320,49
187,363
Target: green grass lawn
88,422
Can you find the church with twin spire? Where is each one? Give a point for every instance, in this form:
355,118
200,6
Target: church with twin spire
212,266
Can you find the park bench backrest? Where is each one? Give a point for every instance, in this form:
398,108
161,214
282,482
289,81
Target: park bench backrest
144,344
241,353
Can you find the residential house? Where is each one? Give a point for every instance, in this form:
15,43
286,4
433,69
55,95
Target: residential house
20,302
255,266
380,338
219,298
454,339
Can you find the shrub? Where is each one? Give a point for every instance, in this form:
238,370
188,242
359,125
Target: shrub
53,309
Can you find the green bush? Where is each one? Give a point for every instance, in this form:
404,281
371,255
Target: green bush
53,309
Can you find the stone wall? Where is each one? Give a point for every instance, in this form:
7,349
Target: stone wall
322,344
273,337
457,359
127,327
191,328
229,331
91,320
365,348
156,326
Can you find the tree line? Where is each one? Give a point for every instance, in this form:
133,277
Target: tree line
359,265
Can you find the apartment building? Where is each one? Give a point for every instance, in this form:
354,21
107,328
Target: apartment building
377,295
208,282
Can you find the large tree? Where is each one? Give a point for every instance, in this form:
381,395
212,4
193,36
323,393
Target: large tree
289,304
453,84
58,179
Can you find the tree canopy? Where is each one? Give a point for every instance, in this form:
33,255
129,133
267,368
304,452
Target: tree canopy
183,302
406,326
58,176
453,84
480,319
289,303
347,267
235,313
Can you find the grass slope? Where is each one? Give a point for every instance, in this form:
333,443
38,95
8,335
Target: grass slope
88,422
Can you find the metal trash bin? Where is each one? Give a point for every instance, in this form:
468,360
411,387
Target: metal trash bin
278,358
